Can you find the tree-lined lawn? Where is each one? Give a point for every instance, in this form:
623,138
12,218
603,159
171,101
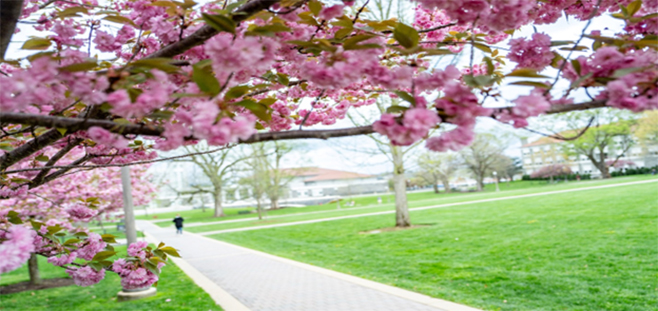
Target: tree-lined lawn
176,291
586,250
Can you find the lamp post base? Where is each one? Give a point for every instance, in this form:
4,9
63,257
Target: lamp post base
128,296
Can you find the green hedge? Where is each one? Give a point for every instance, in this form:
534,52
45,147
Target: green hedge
634,171
562,177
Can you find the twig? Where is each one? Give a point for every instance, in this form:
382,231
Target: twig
310,110
582,35
359,12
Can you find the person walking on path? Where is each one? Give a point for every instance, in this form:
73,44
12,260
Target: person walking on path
178,221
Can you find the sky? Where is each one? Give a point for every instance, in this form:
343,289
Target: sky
355,153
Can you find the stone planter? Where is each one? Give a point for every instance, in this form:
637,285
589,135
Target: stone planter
137,293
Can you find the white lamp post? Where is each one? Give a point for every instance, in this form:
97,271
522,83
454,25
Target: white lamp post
496,180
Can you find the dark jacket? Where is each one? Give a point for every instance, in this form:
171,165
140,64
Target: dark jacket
179,221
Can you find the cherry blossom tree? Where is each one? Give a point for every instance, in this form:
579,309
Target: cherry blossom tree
105,76
551,171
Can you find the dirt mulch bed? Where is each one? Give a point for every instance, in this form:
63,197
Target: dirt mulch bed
25,286
391,229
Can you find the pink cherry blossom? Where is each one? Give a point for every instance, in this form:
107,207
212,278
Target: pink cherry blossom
86,276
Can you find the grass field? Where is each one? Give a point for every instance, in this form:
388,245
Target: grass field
174,286
586,250
369,205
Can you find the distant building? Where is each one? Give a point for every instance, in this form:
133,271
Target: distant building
547,151
321,182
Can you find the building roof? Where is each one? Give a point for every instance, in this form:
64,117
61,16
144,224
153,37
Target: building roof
550,140
317,174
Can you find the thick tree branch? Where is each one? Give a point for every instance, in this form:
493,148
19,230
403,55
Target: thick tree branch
10,11
77,124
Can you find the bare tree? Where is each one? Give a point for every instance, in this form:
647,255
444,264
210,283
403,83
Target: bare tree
438,167
481,156
395,154
217,167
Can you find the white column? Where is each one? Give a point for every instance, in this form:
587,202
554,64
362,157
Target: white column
129,218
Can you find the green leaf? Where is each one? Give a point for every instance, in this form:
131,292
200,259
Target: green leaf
103,255
283,79
560,43
531,83
120,20
62,131
482,47
258,109
343,32
95,265
633,7
152,267
84,66
490,65
438,52
315,7
71,241
12,217
54,229
356,39
108,238
525,72
42,158
396,109
576,66
267,30
205,79
72,12
407,36
36,44
624,71
236,92
406,96
80,234
580,80
163,64
220,22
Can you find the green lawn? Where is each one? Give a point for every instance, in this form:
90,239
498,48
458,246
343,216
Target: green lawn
589,250
174,285
418,199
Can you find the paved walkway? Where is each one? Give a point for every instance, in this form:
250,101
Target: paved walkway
259,281
521,196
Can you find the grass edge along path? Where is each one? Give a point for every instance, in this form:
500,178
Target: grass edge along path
522,196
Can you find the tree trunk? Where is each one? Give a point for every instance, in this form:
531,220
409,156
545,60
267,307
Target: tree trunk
259,209
480,183
400,188
605,171
436,188
446,185
219,209
33,268
274,203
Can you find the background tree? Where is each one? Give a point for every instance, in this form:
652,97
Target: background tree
481,156
605,142
438,167
551,171
646,130
217,166
276,178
